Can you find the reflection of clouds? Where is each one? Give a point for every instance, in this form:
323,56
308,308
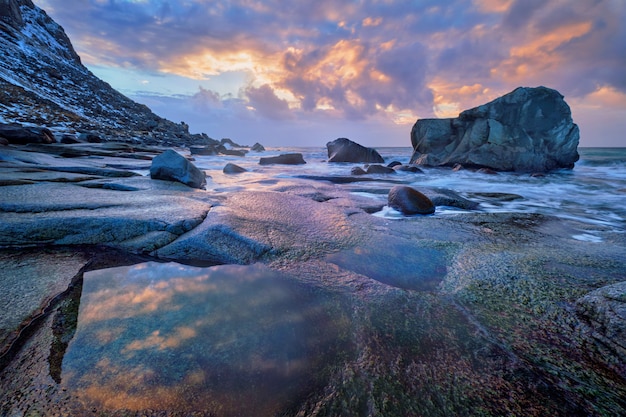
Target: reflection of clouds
238,339
156,341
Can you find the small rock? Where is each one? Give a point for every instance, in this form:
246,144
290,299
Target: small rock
357,171
257,147
171,166
487,171
284,159
408,168
409,201
394,164
69,139
203,150
90,137
233,169
379,169
233,152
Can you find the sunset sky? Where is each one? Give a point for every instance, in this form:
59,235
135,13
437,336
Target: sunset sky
302,73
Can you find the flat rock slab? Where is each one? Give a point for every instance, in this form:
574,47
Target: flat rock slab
61,213
30,279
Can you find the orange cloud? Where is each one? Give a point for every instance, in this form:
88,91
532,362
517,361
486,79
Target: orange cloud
531,59
493,6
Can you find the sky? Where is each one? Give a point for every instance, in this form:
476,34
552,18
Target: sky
302,73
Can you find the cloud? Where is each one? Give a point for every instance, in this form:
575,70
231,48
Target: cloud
371,60
265,101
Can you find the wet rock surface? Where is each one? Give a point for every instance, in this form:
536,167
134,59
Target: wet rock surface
471,314
408,200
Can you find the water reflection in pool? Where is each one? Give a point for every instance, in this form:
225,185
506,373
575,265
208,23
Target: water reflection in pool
233,340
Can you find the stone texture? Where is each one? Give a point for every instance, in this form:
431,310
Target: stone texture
527,130
605,313
345,150
171,166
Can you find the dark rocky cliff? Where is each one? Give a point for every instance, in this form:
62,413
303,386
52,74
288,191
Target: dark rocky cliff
44,83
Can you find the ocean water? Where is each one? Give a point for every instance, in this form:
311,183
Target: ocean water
594,192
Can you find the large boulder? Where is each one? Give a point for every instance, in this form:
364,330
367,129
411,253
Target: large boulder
345,150
171,166
527,130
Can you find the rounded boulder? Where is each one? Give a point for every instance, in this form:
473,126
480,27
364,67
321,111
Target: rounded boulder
409,201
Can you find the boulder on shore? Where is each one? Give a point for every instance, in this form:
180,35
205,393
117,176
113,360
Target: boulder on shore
527,130
345,150
171,166
409,201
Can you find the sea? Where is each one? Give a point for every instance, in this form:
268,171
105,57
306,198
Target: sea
593,192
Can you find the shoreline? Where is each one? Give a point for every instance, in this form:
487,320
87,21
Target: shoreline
519,309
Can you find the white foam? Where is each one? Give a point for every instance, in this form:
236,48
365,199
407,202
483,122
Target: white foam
586,237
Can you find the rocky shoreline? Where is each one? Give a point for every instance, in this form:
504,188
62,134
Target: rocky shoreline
473,314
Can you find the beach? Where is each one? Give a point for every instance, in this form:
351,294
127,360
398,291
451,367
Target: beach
296,290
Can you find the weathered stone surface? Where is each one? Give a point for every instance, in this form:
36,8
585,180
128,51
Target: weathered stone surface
604,310
30,279
171,166
409,201
284,159
527,130
345,150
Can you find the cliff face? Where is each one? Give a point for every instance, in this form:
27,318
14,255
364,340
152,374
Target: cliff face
43,82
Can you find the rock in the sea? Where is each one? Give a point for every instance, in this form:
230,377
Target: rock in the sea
357,171
284,159
345,150
527,130
408,168
379,169
409,201
257,147
231,168
203,150
15,133
171,166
